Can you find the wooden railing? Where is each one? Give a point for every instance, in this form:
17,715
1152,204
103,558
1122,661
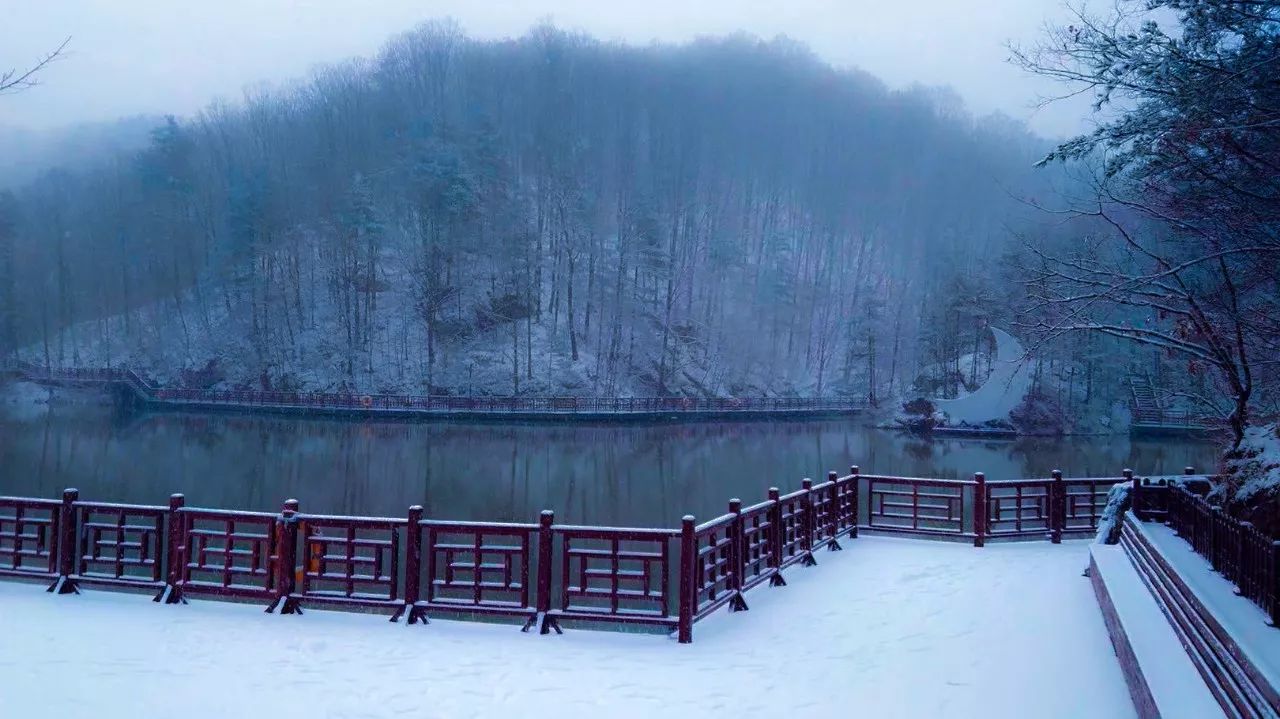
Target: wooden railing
29,537
1174,419
1018,508
546,573
1236,549
401,403
549,405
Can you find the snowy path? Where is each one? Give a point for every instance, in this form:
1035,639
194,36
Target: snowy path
887,628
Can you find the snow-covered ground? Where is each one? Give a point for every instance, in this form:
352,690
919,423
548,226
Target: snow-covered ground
887,628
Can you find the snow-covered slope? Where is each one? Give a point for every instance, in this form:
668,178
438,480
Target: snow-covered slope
1008,383
311,351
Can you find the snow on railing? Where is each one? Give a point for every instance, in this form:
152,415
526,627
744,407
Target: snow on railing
547,573
1236,549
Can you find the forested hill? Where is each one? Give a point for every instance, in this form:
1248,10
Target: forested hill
550,214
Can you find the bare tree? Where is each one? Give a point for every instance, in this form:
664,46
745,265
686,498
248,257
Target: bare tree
1185,211
1156,291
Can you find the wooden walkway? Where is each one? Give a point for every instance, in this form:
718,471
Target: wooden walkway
135,388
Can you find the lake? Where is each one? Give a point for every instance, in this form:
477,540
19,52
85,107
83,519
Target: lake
636,475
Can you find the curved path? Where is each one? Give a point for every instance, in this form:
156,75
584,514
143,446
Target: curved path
1009,382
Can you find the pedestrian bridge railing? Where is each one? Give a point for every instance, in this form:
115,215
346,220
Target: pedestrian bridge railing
354,402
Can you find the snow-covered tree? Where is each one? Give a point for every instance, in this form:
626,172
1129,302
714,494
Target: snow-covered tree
1183,239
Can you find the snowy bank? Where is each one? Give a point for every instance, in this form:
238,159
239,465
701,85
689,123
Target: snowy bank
1251,480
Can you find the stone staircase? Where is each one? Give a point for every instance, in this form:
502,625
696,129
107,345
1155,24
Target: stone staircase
1181,653
1142,401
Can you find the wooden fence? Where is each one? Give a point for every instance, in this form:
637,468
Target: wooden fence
373,403
1236,549
541,574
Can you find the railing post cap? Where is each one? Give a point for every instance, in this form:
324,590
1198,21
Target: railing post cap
1128,473
980,476
1057,474
832,474
735,502
1188,470
687,519
547,513
291,505
806,483
71,492
853,469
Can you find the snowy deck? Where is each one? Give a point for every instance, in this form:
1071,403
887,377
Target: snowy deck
886,628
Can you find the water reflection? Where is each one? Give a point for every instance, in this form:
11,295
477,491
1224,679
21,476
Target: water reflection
599,474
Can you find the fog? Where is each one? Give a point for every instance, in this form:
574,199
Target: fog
713,199
158,57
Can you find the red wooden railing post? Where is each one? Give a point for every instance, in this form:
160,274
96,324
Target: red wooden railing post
807,524
688,550
1057,507
1274,589
1215,537
1174,519
833,511
1190,517
413,569
287,564
775,539
543,600
1244,573
173,556
979,509
857,501
67,534
736,556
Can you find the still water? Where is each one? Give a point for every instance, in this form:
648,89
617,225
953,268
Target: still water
645,475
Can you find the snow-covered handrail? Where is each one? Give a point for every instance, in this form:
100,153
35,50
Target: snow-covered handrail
1236,549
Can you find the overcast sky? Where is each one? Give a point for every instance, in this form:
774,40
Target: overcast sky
173,56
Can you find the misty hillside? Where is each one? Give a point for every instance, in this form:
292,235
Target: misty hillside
29,153
552,214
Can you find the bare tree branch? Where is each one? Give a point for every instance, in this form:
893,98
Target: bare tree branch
16,80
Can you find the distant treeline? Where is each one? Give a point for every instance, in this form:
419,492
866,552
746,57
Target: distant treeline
729,216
